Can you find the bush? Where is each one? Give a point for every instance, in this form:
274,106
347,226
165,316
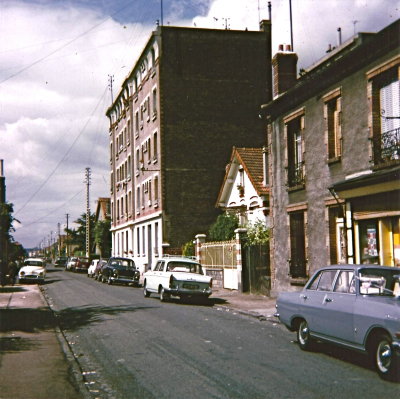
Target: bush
188,249
224,227
257,233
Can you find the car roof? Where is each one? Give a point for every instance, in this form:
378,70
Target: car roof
34,259
356,267
178,259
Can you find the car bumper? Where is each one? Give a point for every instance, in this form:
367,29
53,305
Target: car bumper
206,292
35,278
125,280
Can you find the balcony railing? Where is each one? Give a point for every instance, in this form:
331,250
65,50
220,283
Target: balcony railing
387,147
296,175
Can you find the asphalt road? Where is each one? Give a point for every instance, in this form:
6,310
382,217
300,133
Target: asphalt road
129,346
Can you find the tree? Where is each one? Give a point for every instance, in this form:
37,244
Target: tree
257,233
78,236
102,237
224,227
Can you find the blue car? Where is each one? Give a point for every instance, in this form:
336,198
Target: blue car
355,306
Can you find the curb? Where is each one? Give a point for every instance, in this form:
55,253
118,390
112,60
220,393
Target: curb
75,370
250,313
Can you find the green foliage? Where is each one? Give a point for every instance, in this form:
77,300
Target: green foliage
257,233
78,236
224,227
102,237
6,220
188,249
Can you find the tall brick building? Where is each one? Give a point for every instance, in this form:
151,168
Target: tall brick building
191,96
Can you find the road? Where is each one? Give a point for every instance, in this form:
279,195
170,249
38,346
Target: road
129,346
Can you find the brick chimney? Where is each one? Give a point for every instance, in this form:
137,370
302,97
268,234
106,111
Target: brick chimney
284,69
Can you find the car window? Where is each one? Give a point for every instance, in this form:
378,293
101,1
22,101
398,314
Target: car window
375,281
314,283
159,266
176,266
326,280
345,282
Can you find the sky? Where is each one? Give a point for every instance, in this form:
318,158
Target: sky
56,57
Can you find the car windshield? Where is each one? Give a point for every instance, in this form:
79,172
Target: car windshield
122,263
379,282
176,266
33,263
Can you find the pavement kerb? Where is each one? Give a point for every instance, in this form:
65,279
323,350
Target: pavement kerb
75,368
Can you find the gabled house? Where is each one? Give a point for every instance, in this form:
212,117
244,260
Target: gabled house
244,190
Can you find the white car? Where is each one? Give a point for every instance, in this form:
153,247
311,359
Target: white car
92,267
33,269
71,263
177,276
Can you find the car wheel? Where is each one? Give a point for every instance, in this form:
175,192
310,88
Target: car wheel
109,281
303,336
385,359
163,295
146,293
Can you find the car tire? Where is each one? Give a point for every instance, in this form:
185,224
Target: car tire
109,281
146,293
385,358
303,336
163,295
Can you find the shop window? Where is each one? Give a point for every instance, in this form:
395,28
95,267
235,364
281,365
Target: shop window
369,242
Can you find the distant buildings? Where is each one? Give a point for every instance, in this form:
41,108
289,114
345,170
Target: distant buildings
190,97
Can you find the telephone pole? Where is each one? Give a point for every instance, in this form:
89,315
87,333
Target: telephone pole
67,243
87,181
2,224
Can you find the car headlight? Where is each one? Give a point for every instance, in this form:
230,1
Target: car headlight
22,273
172,281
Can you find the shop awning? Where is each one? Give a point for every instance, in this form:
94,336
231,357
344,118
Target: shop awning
380,181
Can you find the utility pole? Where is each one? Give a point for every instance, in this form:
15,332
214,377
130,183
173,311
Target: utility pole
58,239
2,223
87,181
291,25
67,243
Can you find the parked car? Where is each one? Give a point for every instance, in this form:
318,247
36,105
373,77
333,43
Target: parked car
33,269
61,261
120,270
71,263
97,271
355,306
92,267
81,264
177,276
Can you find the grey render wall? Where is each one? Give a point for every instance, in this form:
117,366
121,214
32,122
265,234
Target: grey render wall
319,174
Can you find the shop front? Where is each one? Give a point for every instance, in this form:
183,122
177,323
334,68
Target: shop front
372,204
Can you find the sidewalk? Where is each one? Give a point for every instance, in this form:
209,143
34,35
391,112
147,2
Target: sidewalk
35,361
32,361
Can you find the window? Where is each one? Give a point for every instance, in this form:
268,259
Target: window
156,191
148,150
138,241
129,166
295,165
143,241
155,146
138,200
297,244
326,280
136,123
332,115
345,282
384,99
154,102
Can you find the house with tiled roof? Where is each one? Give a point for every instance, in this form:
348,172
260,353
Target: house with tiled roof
244,190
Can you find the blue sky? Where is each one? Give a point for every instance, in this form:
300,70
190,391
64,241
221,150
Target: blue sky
55,58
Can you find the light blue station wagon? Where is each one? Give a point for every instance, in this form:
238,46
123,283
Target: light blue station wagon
356,306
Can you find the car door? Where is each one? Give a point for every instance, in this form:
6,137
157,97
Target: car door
314,302
153,278
338,308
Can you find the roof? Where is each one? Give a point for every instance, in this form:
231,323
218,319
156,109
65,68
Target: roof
252,161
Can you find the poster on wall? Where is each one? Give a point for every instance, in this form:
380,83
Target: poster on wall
371,240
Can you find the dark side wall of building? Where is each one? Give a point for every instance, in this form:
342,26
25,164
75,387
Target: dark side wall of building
212,84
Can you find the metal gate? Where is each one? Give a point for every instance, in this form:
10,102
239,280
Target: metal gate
256,272
219,260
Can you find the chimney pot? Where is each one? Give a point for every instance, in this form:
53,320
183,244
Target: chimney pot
281,47
288,47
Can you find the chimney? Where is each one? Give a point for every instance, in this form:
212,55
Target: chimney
339,36
284,69
266,27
